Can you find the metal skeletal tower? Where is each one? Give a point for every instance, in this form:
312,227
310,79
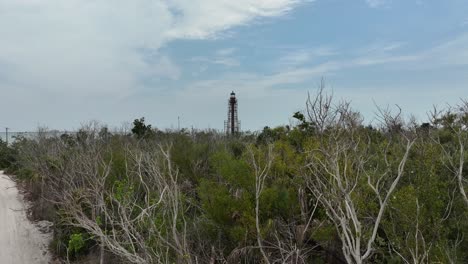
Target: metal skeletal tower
232,125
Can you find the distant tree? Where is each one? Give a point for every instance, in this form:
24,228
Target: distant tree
304,124
7,155
269,135
140,129
105,134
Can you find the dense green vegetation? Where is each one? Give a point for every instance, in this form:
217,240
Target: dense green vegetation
7,155
329,189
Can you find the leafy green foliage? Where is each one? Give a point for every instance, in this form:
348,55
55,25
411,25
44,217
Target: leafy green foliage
76,243
216,178
8,155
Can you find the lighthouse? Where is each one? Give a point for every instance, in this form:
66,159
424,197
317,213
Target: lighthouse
232,125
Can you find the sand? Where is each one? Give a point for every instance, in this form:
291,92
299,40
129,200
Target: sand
21,242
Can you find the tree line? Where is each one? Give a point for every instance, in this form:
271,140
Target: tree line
328,189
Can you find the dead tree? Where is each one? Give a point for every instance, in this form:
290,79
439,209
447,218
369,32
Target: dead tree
286,244
415,249
343,169
454,120
261,172
137,214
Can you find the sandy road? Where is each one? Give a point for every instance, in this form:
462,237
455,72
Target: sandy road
21,242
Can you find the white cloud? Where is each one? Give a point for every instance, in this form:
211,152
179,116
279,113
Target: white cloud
295,58
377,3
304,56
164,67
382,59
382,47
220,60
450,53
77,47
453,52
225,52
221,57
202,19
62,62
264,94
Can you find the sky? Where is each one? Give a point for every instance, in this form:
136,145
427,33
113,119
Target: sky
64,63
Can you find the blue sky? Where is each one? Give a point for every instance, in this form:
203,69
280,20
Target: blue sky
63,63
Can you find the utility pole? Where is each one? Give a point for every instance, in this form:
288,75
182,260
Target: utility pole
178,123
6,134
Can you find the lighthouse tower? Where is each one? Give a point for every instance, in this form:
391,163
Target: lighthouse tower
232,125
